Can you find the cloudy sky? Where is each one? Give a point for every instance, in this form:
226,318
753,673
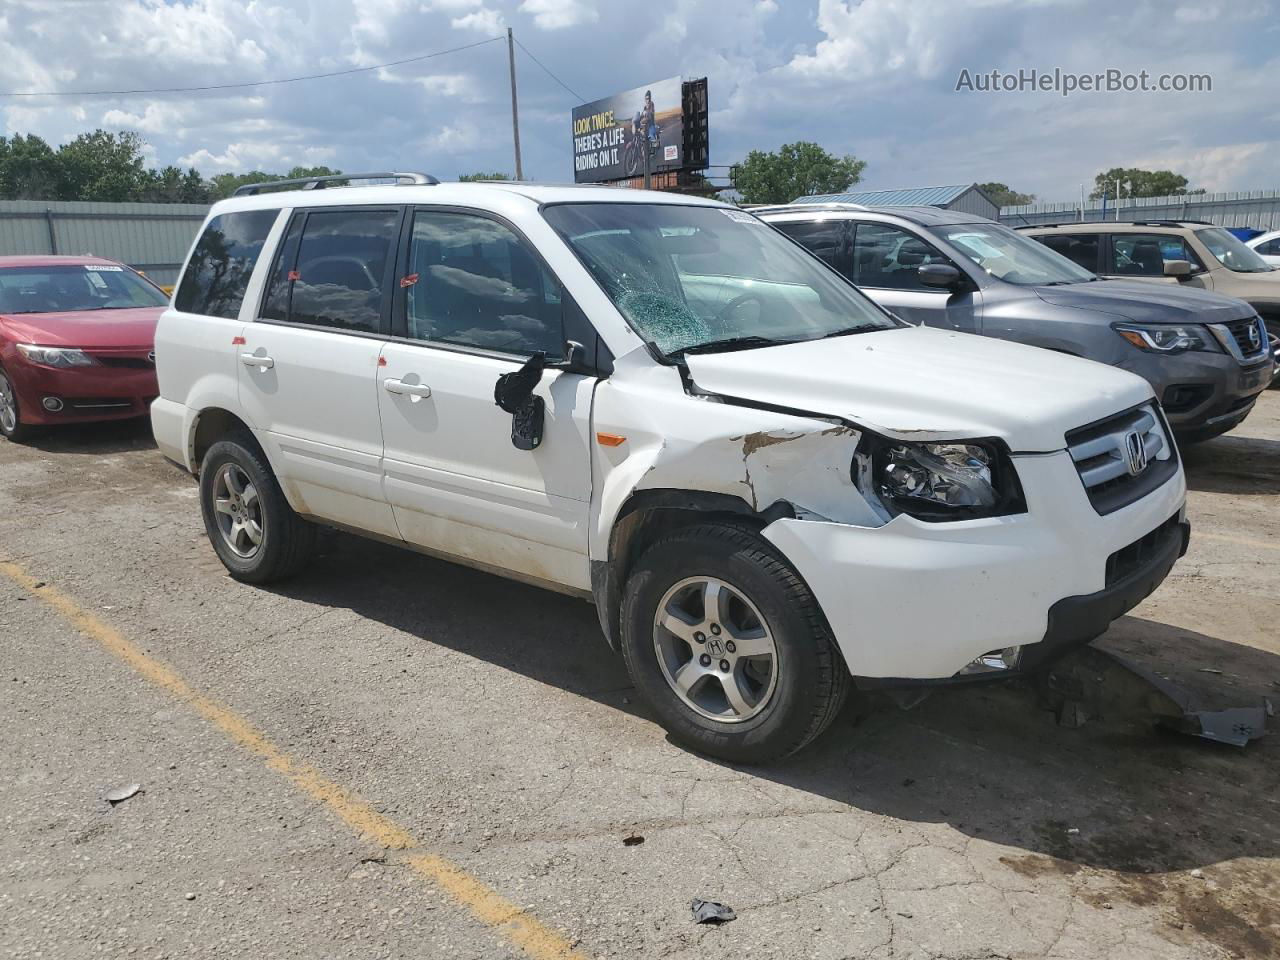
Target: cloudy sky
876,79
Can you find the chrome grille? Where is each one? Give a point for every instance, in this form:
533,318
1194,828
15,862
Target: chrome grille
1122,458
1245,339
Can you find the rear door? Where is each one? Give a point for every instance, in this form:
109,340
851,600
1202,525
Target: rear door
308,366
475,302
885,261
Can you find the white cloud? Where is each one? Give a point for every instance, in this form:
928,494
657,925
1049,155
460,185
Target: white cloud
559,14
483,20
240,157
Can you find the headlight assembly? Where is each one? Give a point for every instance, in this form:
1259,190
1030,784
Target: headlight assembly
936,482
1166,338
56,356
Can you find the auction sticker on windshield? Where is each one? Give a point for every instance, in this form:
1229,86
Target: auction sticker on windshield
739,217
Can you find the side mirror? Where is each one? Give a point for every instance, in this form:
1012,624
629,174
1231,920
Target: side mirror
942,275
1177,268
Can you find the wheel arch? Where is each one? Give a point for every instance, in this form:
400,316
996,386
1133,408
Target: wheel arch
649,514
209,426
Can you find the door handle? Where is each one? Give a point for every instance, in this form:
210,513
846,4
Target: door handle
415,391
251,360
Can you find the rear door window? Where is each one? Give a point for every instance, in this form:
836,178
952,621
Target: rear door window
825,239
222,263
1080,248
334,269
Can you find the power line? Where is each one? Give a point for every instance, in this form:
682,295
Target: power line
579,98
258,83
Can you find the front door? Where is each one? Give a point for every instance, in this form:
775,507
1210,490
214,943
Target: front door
476,304
1142,256
885,264
308,366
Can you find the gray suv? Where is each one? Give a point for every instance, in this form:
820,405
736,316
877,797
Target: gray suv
1204,354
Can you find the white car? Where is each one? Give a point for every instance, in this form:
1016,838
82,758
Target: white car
771,489
1267,246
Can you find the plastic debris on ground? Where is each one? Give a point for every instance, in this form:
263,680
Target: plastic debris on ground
121,794
1091,683
708,911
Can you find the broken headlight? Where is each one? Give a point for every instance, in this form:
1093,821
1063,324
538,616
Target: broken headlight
957,480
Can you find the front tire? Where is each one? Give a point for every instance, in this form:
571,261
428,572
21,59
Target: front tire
11,426
256,534
728,645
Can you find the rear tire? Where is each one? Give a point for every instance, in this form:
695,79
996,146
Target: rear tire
11,426
256,534
769,607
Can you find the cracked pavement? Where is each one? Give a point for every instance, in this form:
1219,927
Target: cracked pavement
490,720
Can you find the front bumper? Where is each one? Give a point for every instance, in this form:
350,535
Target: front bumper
85,393
1203,394
920,601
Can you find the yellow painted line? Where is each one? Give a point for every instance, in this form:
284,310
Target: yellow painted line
1240,541
484,903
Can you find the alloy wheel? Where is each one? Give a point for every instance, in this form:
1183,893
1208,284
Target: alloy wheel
237,510
715,650
8,406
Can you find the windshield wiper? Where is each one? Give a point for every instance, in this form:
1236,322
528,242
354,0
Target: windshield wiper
849,331
727,344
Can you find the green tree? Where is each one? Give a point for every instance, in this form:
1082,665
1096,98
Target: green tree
795,170
1002,195
101,166
28,169
472,177
1137,182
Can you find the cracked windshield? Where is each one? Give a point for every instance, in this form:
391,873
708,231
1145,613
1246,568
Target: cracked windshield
691,278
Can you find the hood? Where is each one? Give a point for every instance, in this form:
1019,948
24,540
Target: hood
115,329
1146,302
918,383
1257,288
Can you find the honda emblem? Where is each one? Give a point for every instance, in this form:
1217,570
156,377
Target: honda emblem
1135,453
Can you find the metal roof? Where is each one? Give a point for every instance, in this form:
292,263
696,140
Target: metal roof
921,196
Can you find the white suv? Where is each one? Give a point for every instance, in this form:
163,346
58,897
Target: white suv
770,488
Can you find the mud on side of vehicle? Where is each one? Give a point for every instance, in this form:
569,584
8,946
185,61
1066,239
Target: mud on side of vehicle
771,489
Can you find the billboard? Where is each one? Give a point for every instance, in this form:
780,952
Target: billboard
610,136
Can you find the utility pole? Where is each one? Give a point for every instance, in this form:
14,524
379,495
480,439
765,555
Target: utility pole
515,110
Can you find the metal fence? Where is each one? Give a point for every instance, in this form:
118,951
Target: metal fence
151,237
1259,209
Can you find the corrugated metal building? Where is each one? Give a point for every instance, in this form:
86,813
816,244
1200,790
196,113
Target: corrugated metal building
964,197
151,237
1259,209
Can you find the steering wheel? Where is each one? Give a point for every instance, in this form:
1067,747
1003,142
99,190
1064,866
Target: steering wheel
722,315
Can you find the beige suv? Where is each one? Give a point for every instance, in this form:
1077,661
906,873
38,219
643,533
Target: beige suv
1187,252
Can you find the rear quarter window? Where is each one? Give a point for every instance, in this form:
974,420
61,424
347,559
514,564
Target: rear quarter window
222,262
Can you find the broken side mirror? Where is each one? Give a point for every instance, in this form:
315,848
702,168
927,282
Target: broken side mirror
514,393
942,275
575,359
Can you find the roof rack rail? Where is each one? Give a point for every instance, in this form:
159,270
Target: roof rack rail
319,183
1169,223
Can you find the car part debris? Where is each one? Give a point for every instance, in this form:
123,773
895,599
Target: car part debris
1091,683
708,911
1236,726
121,794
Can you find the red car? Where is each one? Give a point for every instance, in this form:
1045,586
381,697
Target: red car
77,341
